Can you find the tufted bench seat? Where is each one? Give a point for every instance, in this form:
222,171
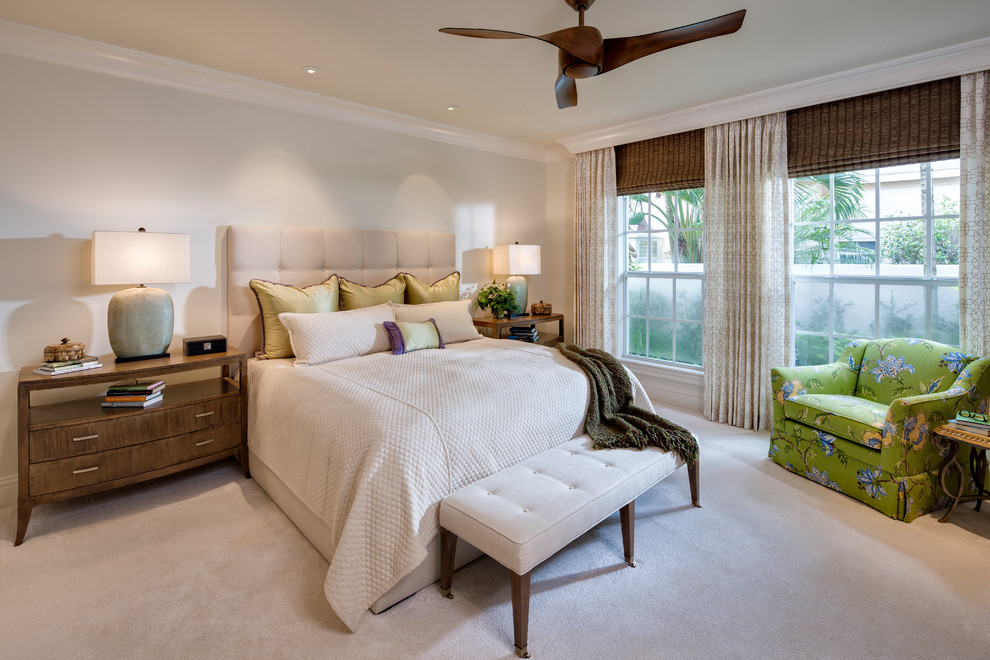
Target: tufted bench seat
527,512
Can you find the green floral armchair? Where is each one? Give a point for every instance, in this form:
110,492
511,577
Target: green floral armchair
863,425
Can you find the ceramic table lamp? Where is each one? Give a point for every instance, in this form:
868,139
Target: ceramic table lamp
517,260
140,319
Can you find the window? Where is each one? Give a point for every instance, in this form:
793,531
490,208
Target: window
876,254
662,281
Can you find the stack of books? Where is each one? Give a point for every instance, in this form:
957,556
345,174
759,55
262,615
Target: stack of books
68,366
521,333
971,423
134,394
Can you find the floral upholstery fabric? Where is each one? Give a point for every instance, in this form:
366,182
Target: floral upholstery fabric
859,420
905,367
863,425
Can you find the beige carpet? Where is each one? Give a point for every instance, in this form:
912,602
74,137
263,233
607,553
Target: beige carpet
773,566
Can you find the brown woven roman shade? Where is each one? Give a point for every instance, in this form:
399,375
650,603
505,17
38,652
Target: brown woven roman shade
671,162
914,124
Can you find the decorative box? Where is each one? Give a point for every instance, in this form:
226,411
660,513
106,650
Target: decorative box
67,350
541,309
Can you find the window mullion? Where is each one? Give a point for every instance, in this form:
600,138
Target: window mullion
831,224
926,210
876,223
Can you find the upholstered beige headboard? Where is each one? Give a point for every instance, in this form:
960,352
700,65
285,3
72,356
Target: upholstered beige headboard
309,255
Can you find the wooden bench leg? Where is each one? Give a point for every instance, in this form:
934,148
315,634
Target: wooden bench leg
627,520
520,612
448,547
693,481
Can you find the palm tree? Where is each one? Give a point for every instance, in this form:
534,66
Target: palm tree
814,198
678,209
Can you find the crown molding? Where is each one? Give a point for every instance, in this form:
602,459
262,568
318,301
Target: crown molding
57,48
950,61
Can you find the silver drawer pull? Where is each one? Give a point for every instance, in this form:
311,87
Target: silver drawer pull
90,469
206,414
86,437
205,442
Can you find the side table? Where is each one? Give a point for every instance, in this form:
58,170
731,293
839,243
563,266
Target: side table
78,447
977,466
496,327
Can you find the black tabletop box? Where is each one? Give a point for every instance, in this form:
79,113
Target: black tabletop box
204,345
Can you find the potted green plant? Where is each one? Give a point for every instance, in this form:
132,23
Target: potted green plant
497,298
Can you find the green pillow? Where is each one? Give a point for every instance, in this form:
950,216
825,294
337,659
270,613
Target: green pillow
419,293
274,299
355,296
408,337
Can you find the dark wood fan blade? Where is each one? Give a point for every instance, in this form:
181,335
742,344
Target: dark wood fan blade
482,33
582,42
565,89
624,50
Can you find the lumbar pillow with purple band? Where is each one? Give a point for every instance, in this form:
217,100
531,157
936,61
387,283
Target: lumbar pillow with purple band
407,337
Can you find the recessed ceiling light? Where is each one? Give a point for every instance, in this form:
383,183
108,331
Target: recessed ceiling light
453,108
311,70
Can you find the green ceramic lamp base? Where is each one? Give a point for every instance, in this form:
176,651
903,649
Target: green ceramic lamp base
517,285
139,323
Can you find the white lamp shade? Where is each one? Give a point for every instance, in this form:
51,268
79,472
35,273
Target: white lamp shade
140,257
516,259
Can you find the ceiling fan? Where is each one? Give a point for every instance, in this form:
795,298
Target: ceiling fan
584,53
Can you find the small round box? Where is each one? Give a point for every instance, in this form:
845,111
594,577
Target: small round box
67,350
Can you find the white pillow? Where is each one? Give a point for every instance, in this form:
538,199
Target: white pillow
326,336
453,318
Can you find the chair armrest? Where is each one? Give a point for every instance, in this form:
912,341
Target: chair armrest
907,444
974,380
833,378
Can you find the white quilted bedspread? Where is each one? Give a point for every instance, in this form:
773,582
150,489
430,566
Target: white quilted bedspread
372,444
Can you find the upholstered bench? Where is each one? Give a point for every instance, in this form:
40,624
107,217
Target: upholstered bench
526,513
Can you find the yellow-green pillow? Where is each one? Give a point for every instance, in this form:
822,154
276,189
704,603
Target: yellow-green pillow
355,296
409,337
419,293
275,299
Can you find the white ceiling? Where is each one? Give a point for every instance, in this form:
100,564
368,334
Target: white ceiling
388,54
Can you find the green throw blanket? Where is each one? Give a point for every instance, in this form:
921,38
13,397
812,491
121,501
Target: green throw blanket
613,421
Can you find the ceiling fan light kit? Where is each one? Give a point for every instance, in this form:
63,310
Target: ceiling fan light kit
584,53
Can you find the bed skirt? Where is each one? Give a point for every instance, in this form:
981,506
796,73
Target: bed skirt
318,535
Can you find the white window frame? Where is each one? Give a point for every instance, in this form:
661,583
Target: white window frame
625,275
929,280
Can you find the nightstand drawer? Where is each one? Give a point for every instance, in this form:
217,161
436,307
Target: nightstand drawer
129,428
77,471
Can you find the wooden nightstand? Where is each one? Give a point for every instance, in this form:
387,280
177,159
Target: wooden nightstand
77,447
498,328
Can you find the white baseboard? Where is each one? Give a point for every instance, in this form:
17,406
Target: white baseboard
8,490
670,386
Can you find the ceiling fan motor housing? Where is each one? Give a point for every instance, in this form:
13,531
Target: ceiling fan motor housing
580,5
581,52
572,67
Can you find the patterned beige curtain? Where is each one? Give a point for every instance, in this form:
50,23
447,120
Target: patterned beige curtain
595,237
747,263
974,224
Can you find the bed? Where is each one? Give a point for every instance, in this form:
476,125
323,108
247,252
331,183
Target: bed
358,452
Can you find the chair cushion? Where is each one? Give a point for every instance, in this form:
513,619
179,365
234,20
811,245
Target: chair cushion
527,512
850,417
